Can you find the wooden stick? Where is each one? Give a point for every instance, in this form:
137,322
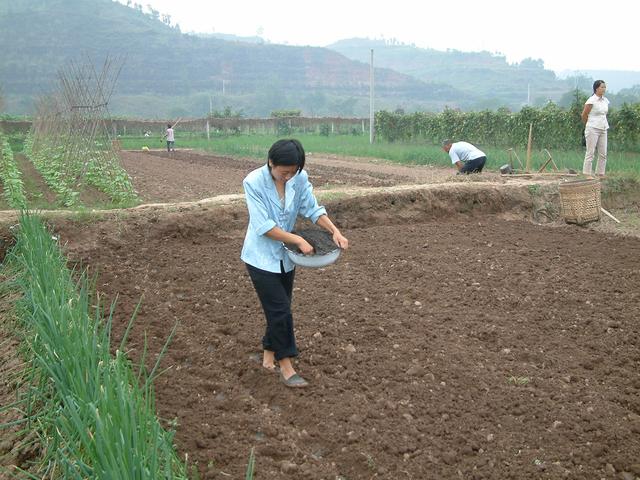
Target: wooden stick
608,214
512,151
529,147
545,165
550,159
555,167
543,174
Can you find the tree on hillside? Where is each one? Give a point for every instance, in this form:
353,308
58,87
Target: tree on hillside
316,103
529,62
574,100
345,107
580,81
627,95
155,14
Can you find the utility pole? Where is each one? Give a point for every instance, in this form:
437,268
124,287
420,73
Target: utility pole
371,119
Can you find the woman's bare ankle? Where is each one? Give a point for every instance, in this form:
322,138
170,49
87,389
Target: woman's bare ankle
268,359
286,367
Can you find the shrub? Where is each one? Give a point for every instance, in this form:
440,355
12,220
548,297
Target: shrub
325,129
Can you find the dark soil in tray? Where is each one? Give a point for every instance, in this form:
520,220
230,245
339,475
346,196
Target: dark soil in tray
320,240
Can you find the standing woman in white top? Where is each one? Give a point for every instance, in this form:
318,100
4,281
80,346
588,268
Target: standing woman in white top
594,116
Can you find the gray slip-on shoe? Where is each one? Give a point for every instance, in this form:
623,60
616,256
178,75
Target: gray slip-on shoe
294,381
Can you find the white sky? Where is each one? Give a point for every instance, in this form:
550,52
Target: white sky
565,34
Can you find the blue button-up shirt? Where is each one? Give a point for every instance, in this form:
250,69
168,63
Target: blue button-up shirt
266,211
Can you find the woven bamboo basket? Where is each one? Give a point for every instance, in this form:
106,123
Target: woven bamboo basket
580,201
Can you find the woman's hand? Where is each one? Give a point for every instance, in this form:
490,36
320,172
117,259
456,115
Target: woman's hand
340,240
304,246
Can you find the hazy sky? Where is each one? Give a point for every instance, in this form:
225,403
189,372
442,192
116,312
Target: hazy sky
582,35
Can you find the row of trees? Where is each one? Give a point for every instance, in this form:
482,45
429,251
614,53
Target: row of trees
553,126
153,13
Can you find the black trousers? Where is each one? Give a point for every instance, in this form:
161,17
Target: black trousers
275,292
474,166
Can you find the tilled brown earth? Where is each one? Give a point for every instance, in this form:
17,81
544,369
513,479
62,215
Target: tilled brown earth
186,175
454,347
439,346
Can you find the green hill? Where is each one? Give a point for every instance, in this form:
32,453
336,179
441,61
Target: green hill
481,75
167,73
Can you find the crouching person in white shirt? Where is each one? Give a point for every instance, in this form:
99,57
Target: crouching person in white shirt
466,157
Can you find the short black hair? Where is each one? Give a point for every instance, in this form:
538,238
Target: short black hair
287,152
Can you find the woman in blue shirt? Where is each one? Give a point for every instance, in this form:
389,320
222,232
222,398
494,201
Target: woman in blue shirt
276,194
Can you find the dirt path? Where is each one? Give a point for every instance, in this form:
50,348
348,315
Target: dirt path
37,182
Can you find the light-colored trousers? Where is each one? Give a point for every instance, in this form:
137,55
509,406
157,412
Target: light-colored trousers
596,138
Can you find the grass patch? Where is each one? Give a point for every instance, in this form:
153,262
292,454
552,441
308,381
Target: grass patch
16,141
534,189
84,216
330,196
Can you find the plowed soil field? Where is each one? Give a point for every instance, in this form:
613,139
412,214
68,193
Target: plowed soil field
446,343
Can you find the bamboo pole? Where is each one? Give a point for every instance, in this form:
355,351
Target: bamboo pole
549,160
512,153
609,215
529,147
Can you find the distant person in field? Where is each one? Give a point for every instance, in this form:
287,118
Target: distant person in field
466,157
169,135
594,116
276,194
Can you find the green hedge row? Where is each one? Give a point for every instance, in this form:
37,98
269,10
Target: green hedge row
553,127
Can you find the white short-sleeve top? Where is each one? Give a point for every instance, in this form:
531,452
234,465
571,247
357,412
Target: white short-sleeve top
598,114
